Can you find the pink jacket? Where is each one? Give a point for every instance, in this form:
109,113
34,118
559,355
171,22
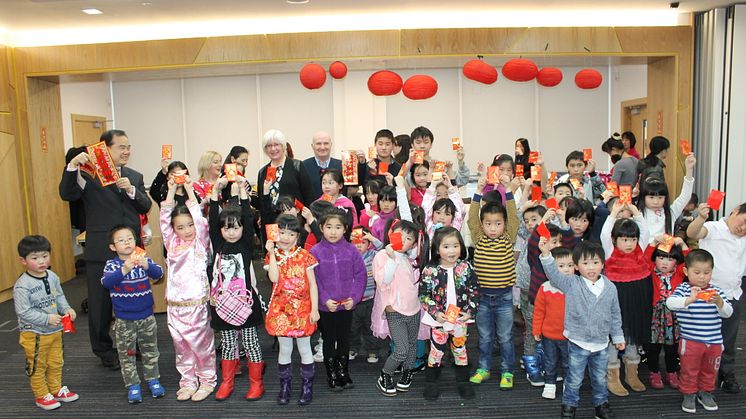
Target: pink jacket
396,286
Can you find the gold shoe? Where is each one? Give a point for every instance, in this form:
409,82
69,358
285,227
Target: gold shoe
185,393
202,393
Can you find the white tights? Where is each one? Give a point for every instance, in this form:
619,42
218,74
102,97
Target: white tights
286,350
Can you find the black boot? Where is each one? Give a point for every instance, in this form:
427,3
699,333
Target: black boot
465,389
604,412
568,412
729,384
432,387
331,374
386,384
343,372
405,380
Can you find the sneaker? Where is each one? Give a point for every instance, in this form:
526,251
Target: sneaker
318,356
506,381
550,391
352,355
372,358
689,405
185,393
707,401
729,384
656,381
604,412
404,381
568,412
156,389
134,394
65,395
385,384
479,376
560,378
673,380
48,402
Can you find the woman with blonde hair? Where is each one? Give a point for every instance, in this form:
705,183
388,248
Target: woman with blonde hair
208,168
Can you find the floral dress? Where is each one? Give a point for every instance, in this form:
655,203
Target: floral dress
289,311
664,328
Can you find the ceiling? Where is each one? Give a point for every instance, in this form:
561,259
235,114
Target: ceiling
25,21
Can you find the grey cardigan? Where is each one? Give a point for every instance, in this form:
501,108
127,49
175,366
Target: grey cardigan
587,318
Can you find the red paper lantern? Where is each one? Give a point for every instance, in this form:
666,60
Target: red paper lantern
312,76
549,76
520,69
480,71
588,78
338,70
384,83
420,86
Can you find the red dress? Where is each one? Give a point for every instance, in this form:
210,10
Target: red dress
289,311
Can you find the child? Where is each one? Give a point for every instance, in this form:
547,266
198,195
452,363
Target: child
294,306
624,241
40,305
420,174
725,239
699,306
332,183
448,211
591,184
548,322
384,143
372,188
159,187
686,217
591,315
231,234
397,300
361,317
187,240
493,230
668,273
341,277
387,203
448,281
127,279
653,201
505,167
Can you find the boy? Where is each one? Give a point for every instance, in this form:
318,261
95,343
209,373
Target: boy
592,184
699,307
126,278
726,241
548,323
384,142
493,230
422,139
591,314
40,305
360,328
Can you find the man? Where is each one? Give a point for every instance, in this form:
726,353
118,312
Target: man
321,143
105,207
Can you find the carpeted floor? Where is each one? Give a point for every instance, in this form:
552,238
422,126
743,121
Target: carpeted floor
102,393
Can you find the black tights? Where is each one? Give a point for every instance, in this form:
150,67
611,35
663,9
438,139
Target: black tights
672,357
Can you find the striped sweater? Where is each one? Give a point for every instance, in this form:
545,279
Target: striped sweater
699,321
494,261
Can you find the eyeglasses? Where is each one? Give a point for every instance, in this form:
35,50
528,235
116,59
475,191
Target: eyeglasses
124,241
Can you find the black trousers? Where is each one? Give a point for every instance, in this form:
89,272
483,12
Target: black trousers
99,312
335,329
730,333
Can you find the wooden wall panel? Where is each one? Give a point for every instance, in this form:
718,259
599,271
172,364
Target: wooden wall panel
6,94
568,40
458,41
662,102
12,222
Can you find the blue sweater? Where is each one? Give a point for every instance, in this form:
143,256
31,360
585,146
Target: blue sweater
131,295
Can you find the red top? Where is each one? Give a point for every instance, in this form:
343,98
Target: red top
676,279
627,267
549,313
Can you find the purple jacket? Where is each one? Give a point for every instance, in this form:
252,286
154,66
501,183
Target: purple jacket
340,274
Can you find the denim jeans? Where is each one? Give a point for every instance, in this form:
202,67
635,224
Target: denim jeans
596,362
495,316
555,356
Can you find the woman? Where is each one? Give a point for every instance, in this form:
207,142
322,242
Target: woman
652,165
629,141
402,144
208,168
624,171
522,151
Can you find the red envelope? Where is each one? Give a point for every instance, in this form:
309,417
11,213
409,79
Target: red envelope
543,230
519,171
438,169
67,324
180,177
456,143
575,183
493,175
419,156
299,205
536,193
231,171
271,175
587,154
551,203
706,294
666,244
533,157
715,199
102,162
613,187
273,232
552,178
88,168
357,235
383,168
325,197
395,240
166,152
625,194
536,173
138,253
686,147
452,313
372,153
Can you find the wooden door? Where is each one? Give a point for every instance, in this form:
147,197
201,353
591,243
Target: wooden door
635,119
87,129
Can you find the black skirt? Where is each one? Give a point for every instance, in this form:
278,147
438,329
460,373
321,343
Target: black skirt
635,303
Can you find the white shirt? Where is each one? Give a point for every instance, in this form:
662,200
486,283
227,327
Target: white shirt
729,252
657,221
596,288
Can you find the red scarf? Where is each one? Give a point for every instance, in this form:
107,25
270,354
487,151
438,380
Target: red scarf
627,267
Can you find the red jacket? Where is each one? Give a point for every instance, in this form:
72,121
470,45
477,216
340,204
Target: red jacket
676,279
549,313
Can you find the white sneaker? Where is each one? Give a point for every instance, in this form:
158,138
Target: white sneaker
549,392
319,345
352,355
318,356
372,358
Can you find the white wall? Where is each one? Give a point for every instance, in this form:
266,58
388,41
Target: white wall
628,82
89,98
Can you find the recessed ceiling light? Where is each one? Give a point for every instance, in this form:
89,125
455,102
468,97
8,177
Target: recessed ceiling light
297,1
92,11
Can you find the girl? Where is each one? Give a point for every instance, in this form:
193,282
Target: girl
505,167
522,151
186,237
341,277
654,201
668,273
443,212
332,183
448,281
317,209
387,203
624,241
294,307
372,188
231,233
397,301
160,188
240,156
420,174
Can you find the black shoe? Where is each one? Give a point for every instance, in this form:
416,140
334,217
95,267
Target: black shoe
465,389
568,412
343,372
729,384
331,374
405,380
386,384
111,363
604,412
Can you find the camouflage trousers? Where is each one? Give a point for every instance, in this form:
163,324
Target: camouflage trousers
131,334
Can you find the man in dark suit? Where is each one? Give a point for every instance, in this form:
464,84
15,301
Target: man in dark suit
321,160
105,207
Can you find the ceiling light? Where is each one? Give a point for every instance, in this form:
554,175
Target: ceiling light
92,11
297,1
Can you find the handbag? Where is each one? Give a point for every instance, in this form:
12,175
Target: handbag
232,302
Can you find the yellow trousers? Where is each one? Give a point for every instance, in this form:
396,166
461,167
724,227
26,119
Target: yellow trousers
43,361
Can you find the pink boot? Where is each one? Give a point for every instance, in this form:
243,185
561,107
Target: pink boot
673,379
655,380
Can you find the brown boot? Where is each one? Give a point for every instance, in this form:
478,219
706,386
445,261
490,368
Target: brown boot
614,384
631,378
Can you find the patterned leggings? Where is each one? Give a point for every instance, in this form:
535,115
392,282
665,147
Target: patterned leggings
249,340
439,339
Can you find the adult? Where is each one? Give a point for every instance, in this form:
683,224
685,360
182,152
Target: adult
625,166
321,143
291,177
652,165
629,141
208,168
384,145
402,145
105,207
522,151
